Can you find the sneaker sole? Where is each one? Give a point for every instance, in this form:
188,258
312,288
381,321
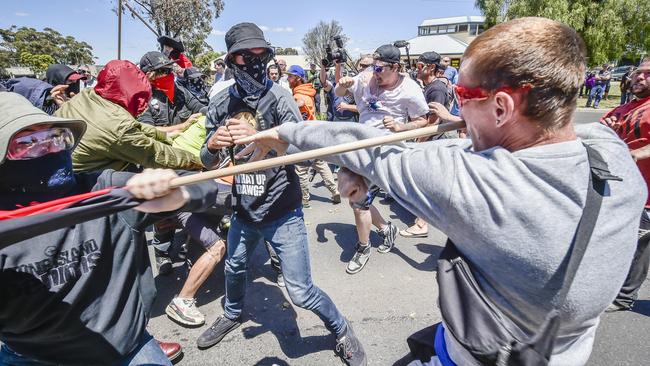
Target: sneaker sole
180,320
217,340
353,271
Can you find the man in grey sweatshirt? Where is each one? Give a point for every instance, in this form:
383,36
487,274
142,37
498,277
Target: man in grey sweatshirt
511,198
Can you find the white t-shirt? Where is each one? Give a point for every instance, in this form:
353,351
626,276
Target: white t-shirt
404,102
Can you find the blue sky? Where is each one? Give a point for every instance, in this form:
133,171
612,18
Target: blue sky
368,24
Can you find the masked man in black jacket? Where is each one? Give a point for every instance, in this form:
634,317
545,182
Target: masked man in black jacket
80,295
267,203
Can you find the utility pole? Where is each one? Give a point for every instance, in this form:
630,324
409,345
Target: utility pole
119,29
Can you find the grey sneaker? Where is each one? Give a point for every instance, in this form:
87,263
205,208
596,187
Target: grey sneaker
388,235
359,259
217,331
349,348
184,311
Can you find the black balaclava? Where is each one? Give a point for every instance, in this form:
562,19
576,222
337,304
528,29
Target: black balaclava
36,180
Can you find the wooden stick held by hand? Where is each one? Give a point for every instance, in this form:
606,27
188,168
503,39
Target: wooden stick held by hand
316,153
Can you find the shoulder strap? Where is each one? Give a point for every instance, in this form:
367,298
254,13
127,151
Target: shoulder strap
599,174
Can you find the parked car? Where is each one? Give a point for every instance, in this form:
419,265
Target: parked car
618,72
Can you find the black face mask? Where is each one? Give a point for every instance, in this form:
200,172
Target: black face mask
251,77
73,88
36,180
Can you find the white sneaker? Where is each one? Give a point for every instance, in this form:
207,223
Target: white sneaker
184,311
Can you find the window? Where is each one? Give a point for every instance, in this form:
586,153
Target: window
451,29
462,28
473,29
433,30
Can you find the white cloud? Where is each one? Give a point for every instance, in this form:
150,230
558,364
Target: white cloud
264,28
21,14
282,29
218,32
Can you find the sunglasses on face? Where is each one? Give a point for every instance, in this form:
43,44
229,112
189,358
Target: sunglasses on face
252,58
464,94
32,145
163,71
380,68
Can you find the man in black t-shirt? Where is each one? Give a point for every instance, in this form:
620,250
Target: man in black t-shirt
267,203
436,86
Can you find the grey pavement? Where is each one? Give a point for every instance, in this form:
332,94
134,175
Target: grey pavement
394,296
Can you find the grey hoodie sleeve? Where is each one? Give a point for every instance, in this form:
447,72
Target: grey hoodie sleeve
419,176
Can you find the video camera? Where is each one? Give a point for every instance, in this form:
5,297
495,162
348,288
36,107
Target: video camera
337,55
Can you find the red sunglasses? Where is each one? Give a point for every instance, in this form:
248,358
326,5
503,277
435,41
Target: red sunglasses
463,94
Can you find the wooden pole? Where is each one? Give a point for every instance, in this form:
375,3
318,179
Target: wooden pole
315,154
119,29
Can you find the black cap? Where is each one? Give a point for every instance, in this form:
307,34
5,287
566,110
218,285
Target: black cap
245,36
387,53
430,58
154,60
171,42
192,73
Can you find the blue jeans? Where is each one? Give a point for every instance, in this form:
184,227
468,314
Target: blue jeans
148,353
596,94
288,237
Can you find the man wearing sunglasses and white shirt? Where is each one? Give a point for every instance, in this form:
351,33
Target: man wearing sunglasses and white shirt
392,102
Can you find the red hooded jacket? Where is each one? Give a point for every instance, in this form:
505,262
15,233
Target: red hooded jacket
124,84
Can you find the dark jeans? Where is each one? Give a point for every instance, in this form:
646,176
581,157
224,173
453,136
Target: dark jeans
596,94
288,237
148,353
639,268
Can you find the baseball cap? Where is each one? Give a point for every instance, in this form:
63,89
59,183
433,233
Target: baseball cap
296,71
244,36
387,53
192,73
430,58
154,60
18,114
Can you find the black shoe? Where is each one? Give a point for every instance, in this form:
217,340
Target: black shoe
349,348
217,331
163,262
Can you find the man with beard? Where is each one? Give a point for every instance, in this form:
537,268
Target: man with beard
267,202
631,121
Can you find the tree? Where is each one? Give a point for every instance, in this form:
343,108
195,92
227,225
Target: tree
38,63
286,51
204,61
317,38
62,49
610,28
190,20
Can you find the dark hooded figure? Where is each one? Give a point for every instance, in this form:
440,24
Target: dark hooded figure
58,74
36,91
80,295
194,82
174,48
171,104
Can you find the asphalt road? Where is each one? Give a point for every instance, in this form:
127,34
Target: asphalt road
394,296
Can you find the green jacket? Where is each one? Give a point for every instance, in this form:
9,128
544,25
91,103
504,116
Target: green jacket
116,140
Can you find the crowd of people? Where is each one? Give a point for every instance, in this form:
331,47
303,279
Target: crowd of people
526,198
